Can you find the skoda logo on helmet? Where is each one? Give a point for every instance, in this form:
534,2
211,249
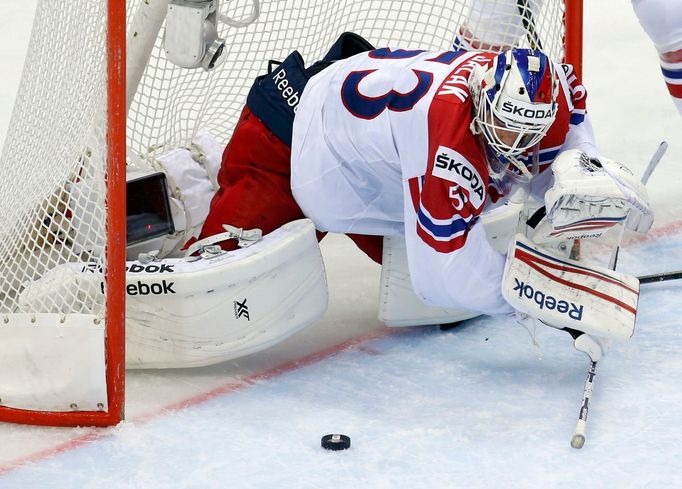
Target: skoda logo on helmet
516,107
518,112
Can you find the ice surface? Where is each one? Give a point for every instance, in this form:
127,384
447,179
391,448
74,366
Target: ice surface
477,407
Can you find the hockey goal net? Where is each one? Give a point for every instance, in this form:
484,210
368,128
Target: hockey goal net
62,197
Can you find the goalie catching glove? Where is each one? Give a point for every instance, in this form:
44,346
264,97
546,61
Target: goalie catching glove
590,194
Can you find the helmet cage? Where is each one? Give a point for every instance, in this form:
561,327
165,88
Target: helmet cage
509,124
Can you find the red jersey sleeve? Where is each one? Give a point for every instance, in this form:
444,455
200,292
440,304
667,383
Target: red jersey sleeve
450,196
577,95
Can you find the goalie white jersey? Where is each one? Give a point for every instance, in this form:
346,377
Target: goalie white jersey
382,146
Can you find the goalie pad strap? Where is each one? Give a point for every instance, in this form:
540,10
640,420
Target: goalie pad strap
244,237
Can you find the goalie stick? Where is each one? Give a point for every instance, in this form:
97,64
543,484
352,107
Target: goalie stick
660,277
657,277
578,438
529,24
662,148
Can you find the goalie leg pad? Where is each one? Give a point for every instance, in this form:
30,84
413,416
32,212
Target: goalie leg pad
202,311
398,303
207,311
400,306
569,294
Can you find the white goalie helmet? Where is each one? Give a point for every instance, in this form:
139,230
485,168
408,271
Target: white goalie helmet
515,103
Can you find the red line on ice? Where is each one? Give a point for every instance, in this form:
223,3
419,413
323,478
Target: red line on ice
98,433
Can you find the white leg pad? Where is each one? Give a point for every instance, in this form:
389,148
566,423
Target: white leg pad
400,306
182,313
238,303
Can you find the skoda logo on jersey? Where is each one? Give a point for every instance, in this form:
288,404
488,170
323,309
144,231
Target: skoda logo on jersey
452,166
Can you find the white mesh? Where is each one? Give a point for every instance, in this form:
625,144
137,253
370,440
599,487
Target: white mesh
172,104
56,139
52,194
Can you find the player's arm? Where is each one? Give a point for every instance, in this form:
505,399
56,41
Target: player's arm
580,134
451,262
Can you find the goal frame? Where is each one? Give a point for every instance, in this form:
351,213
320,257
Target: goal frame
573,35
116,244
116,219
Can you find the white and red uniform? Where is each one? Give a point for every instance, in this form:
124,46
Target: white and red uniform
382,146
662,21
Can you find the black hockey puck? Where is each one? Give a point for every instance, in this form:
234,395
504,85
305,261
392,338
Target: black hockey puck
335,442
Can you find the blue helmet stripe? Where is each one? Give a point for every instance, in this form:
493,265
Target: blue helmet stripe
521,57
540,75
531,81
499,71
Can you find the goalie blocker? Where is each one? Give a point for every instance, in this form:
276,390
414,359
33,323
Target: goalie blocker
567,294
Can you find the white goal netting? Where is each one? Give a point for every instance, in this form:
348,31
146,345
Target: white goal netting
52,192
172,103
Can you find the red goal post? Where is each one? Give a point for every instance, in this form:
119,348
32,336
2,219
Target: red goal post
84,106
43,239
573,35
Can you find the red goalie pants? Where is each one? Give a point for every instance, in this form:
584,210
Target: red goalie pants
255,190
